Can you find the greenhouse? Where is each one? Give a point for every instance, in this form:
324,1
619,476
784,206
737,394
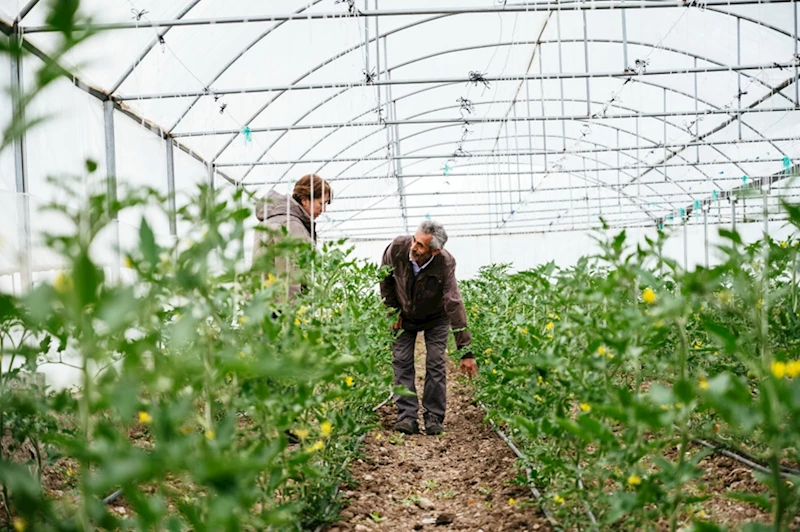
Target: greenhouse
239,238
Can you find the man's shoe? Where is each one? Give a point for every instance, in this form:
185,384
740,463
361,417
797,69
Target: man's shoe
407,426
433,426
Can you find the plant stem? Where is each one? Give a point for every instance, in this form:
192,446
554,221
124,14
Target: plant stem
683,350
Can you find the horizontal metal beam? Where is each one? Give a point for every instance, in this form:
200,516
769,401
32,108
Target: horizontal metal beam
631,166
488,120
339,15
455,80
521,153
523,231
787,193
566,214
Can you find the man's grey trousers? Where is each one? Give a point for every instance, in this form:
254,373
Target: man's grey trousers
434,396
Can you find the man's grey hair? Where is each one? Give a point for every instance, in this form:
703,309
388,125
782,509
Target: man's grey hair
437,232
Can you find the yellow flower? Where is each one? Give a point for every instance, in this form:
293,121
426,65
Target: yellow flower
512,501
549,326
538,398
318,446
270,280
601,350
793,368
701,514
634,480
297,322
783,243
210,434
326,428
301,433
349,381
586,407
377,436
486,361
19,524
759,304
779,369
494,372
302,310
550,336
243,319
558,499
63,283
698,344
522,330
649,296
488,351
144,417
539,379
703,383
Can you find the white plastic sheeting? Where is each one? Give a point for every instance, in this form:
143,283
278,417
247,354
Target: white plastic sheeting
637,116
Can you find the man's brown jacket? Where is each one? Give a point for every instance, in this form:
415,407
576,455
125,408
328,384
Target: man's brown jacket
429,299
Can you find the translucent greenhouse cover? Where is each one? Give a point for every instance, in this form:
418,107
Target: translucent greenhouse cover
496,118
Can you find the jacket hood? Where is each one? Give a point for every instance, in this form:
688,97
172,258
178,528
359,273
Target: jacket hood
275,206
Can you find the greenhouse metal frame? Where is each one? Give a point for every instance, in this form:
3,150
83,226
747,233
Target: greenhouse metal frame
601,112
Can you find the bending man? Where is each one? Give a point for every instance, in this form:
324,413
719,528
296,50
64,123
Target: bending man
422,286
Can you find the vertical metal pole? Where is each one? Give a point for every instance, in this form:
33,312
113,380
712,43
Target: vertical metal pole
696,112
739,74
665,137
586,63
111,184
173,210
516,144
20,165
210,168
624,40
705,230
392,105
530,131
765,192
366,37
638,159
733,213
796,90
619,185
544,122
561,80
685,243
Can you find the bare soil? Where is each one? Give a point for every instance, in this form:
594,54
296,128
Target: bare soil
464,479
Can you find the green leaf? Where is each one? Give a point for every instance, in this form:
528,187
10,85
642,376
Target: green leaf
62,15
706,526
87,279
148,243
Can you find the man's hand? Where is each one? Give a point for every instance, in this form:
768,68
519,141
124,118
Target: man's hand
399,325
469,367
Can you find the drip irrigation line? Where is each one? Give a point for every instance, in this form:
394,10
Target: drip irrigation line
745,459
536,494
750,456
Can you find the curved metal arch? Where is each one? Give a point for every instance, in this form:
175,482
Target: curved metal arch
234,60
580,156
588,179
316,68
649,83
149,47
610,149
230,141
622,130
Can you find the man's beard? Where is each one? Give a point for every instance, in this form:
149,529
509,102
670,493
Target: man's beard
421,259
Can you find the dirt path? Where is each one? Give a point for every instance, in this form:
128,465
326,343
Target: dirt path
462,480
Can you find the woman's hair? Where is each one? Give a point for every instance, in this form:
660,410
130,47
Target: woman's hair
302,189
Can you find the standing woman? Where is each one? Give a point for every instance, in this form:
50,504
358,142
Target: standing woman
309,199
